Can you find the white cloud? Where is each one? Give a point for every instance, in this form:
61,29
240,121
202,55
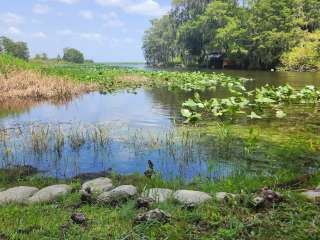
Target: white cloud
91,36
65,32
14,30
11,19
142,7
39,35
86,14
117,3
148,8
112,20
40,9
68,1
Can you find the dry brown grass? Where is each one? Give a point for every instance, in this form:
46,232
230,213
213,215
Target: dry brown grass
33,86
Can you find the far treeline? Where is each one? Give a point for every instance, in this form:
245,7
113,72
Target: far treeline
21,50
248,34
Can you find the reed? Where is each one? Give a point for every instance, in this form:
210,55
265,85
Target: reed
31,85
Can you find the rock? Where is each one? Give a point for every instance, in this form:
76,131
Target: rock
98,185
17,194
266,198
224,197
86,196
312,195
144,202
318,189
84,177
158,194
191,197
153,215
78,218
258,201
50,193
118,194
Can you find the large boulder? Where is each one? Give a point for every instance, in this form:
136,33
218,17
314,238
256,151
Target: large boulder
118,194
191,197
17,194
50,193
312,195
98,185
158,194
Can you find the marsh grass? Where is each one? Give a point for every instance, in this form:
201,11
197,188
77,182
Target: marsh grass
29,85
39,139
77,139
209,151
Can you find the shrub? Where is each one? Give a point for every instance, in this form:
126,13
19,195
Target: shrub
305,56
73,55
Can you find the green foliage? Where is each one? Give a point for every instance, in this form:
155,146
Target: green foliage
305,56
254,34
16,49
41,56
72,55
266,99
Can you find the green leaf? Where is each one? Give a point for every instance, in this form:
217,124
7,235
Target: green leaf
280,114
253,115
186,113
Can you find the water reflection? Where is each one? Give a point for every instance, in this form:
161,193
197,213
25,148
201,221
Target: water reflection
136,127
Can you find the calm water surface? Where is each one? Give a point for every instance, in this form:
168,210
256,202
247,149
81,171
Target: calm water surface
140,126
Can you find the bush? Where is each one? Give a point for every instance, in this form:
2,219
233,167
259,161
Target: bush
305,56
73,55
16,49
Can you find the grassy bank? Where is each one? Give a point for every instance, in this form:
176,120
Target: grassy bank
24,82
294,218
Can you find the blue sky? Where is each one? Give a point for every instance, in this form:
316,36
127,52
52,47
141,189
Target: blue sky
104,30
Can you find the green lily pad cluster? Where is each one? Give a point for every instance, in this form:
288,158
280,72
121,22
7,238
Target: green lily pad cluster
198,81
252,104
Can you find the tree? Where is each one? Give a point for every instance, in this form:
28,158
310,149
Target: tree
73,55
251,33
41,56
16,49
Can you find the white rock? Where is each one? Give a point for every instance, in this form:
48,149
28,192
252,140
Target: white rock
191,197
312,195
17,194
98,185
50,193
158,194
224,196
118,194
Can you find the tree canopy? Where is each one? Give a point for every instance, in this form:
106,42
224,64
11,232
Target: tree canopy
252,34
72,55
16,49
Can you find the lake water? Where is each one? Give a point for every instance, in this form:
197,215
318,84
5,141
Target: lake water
133,127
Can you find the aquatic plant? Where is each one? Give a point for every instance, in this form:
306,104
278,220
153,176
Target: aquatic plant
77,139
39,138
265,99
